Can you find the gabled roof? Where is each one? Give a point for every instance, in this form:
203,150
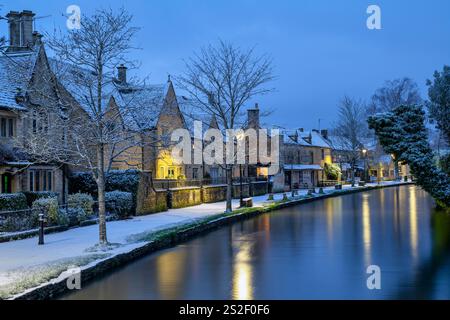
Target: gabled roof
141,106
16,70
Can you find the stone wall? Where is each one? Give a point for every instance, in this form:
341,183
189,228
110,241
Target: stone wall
184,197
259,188
148,199
212,194
237,190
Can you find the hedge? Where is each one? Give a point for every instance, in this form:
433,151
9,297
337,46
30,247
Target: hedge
83,201
122,180
33,196
13,202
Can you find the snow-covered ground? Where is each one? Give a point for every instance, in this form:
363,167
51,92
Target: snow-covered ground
24,264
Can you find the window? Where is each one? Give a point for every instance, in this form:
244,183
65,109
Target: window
41,180
11,127
195,173
7,127
3,127
323,154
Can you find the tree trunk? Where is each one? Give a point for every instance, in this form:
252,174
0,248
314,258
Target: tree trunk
101,195
229,188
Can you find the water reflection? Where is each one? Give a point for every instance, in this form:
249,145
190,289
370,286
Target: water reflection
242,272
318,250
367,238
414,236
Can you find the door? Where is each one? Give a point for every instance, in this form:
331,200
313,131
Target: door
6,183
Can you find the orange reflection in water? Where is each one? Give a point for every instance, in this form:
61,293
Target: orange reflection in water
170,274
242,284
367,235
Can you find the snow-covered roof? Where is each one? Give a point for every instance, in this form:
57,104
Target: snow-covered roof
140,106
15,74
299,167
306,138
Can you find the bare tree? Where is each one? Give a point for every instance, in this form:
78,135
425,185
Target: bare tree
85,118
220,80
349,129
395,93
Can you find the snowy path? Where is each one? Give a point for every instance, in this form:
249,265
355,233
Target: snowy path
72,244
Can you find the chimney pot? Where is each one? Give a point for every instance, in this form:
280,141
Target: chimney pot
253,117
122,74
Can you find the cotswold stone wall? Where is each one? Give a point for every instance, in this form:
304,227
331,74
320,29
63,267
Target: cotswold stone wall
150,200
237,190
214,193
184,197
259,188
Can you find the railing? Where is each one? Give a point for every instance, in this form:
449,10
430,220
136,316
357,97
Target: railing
182,183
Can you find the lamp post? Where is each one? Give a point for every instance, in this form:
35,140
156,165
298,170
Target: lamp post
240,137
41,228
241,197
364,151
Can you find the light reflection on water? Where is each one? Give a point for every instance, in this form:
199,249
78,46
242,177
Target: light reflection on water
318,250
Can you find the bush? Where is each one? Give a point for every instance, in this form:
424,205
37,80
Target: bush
13,202
49,207
119,203
74,216
81,201
332,171
33,196
123,180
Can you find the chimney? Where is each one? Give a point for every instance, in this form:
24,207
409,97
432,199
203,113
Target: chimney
20,30
122,74
301,130
253,117
324,133
37,38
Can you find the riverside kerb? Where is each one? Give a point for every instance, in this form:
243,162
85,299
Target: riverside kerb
54,289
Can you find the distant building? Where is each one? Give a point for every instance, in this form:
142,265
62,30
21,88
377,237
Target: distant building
304,156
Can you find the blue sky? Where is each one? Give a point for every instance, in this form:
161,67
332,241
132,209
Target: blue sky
322,50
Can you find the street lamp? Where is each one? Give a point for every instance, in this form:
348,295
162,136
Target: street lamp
240,136
366,176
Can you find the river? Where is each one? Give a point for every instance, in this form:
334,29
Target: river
317,250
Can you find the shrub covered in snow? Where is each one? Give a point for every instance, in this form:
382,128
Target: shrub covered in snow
123,180
81,201
73,216
49,207
119,203
33,196
13,202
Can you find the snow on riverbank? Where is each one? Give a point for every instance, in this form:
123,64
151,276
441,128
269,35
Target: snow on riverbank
24,264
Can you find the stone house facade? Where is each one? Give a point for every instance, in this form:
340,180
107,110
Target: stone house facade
27,84
305,155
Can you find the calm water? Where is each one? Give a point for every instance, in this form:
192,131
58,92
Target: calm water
318,250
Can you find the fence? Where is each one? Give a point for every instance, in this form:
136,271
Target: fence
182,183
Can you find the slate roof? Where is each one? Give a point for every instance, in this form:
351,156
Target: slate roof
303,138
15,72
